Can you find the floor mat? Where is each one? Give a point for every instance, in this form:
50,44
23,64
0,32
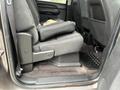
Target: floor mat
90,58
46,69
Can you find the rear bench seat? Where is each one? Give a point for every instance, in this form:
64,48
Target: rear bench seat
58,42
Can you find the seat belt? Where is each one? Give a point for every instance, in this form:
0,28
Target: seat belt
11,19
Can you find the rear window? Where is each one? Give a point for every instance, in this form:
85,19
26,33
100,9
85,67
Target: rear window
55,1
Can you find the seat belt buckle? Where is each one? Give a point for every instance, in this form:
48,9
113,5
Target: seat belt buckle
9,2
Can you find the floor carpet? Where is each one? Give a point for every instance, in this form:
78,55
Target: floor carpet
46,69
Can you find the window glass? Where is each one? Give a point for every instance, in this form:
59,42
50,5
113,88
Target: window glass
56,1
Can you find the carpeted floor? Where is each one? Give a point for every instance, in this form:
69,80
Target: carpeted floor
46,69
90,65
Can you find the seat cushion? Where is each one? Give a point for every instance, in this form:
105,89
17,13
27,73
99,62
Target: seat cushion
65,44
52,21
49,31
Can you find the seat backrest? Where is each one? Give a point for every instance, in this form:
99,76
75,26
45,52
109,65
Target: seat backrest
34,10
25,19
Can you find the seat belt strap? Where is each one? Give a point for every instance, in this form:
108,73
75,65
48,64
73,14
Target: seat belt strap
11,19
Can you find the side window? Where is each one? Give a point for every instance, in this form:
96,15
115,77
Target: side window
55,1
